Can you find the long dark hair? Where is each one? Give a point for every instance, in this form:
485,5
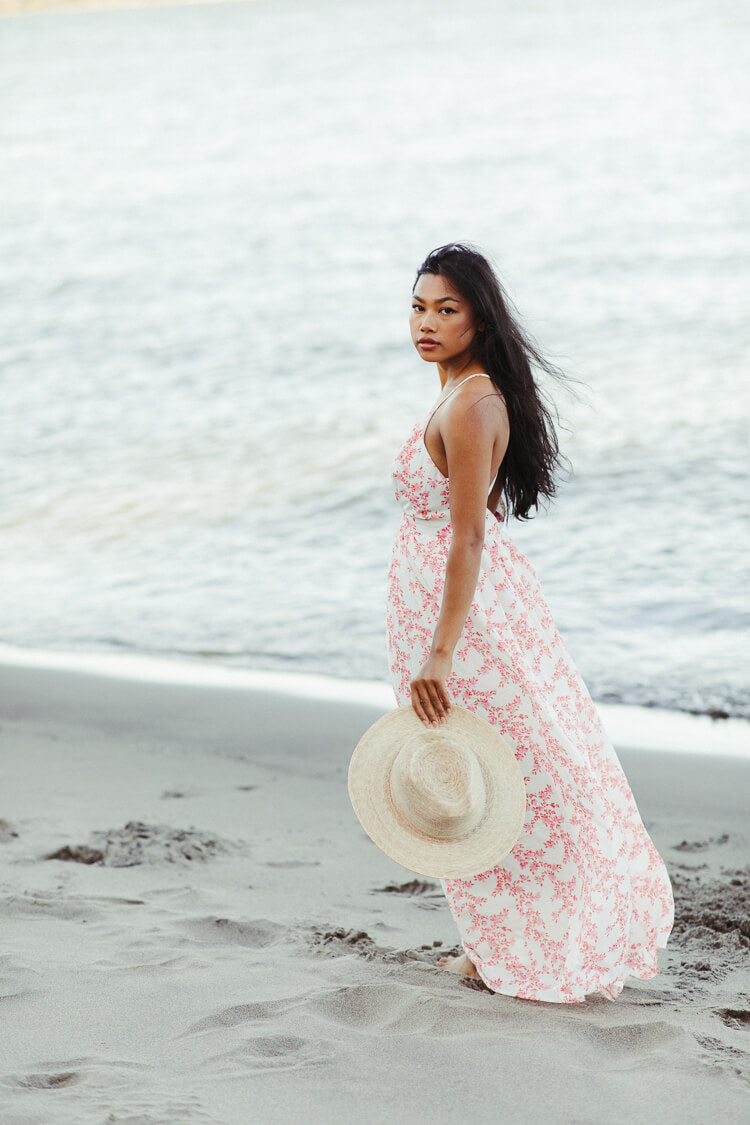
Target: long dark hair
506,353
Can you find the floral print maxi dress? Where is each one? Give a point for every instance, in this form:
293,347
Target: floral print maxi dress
583,900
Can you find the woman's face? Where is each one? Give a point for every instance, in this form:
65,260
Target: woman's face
442,322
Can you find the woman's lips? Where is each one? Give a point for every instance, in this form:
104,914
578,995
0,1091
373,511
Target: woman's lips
427,344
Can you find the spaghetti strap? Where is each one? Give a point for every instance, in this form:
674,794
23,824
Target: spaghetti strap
477,374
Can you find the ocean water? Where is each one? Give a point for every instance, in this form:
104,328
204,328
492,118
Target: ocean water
211,219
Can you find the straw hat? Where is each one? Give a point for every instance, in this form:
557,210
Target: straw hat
448,802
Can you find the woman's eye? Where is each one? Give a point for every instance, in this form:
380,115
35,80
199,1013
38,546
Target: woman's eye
447,310
416,308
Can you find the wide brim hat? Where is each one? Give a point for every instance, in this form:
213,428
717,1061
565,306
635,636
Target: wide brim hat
448,802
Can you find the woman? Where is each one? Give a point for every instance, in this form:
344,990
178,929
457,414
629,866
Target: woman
583,901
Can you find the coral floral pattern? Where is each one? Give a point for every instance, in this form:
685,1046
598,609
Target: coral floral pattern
583,901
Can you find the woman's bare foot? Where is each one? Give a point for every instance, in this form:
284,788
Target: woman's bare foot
460,964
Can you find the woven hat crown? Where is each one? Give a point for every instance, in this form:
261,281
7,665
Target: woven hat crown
437,785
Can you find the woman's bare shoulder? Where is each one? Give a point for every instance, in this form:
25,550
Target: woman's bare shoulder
479,403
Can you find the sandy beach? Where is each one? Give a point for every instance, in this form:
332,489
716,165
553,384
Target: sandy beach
217,940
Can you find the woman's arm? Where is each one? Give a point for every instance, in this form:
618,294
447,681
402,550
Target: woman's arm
469,432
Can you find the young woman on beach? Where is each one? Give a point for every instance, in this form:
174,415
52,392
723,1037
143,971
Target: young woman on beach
583,901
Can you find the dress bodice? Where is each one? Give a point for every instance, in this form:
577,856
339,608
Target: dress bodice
421,489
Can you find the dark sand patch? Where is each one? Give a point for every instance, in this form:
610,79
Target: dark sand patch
710,939
415,887
339,942
49,1081
705,907
699,845
429,895
7,831
139,843
736,1018
78,854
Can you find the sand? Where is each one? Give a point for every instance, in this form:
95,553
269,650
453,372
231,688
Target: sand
219,941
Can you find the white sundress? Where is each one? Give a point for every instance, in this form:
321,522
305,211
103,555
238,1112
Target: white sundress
583,901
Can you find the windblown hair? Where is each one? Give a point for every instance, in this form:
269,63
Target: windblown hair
507,353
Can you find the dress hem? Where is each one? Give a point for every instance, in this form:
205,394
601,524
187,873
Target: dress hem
610,987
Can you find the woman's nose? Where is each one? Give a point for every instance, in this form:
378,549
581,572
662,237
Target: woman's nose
427,323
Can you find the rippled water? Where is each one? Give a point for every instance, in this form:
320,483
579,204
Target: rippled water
211,221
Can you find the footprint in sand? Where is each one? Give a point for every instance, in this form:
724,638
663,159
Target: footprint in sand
43,904
268,1051
284,1052
723,1056
253,933
48,1081
260,1011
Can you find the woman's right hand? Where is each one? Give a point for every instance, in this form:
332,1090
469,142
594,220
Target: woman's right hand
429,695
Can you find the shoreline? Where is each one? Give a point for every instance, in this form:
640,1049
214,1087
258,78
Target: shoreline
629,726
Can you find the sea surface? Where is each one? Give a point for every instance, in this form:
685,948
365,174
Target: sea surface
210,221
